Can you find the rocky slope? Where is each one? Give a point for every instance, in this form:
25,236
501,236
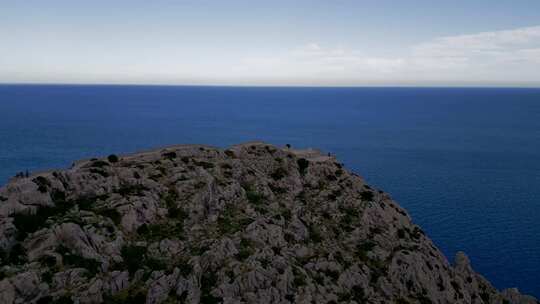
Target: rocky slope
195,224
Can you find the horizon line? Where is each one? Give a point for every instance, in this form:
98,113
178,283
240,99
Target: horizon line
442,86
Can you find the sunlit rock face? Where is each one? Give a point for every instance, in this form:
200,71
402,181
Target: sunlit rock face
253,223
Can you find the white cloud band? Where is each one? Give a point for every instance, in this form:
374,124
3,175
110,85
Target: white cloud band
510,57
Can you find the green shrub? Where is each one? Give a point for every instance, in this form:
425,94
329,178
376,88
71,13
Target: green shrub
169,155
204,164
135,294
208,281
230,221
417,233
226,166
299,278
331,177
286,213
162,170
133,256
484,295
171,200
45,300
99,171
270,150
43,183
200,185
378,268
177,213
155,177
366,195
364,248
85,203
253,197
47,277
75,260
245,250
112,158
63,299
160,231
279,174
227,224
401,233
174,298
333,274
422,299
277,190
350,217
111,213
303,164
155,264
99,164
135,189
314,234
58,197
27,222
334,195
198,250
184,267
17,255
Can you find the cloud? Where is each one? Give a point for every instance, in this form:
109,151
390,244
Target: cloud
313,60
481,43
481,49
508,56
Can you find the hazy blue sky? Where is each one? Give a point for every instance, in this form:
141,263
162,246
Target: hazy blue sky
415,42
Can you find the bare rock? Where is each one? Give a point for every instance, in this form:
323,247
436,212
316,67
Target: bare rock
253,223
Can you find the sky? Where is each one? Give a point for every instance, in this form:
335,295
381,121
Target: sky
320,43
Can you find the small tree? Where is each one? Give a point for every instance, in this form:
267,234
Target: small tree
112,158
302,165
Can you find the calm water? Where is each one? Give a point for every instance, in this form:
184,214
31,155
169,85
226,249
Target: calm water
464,162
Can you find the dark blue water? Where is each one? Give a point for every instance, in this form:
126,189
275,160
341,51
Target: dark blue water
464,162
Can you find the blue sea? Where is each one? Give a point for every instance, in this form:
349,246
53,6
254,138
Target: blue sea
465,162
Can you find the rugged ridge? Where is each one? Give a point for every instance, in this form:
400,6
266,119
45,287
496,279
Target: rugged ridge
253,223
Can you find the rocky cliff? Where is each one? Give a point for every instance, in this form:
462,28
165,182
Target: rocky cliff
253,223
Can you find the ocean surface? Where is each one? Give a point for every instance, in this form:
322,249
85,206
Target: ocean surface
465,162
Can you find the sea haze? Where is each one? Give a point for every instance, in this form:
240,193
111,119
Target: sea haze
464,162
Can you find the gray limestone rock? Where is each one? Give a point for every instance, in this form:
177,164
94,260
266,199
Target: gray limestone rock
253,223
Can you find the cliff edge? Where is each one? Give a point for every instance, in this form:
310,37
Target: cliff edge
253,223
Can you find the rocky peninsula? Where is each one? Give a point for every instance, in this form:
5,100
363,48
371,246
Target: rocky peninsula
253,223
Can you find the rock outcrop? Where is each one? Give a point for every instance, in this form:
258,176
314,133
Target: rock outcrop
195,224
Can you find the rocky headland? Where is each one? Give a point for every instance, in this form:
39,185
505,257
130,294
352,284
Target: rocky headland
253,223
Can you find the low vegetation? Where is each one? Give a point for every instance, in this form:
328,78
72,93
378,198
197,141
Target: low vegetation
113,158
198,224
303,164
